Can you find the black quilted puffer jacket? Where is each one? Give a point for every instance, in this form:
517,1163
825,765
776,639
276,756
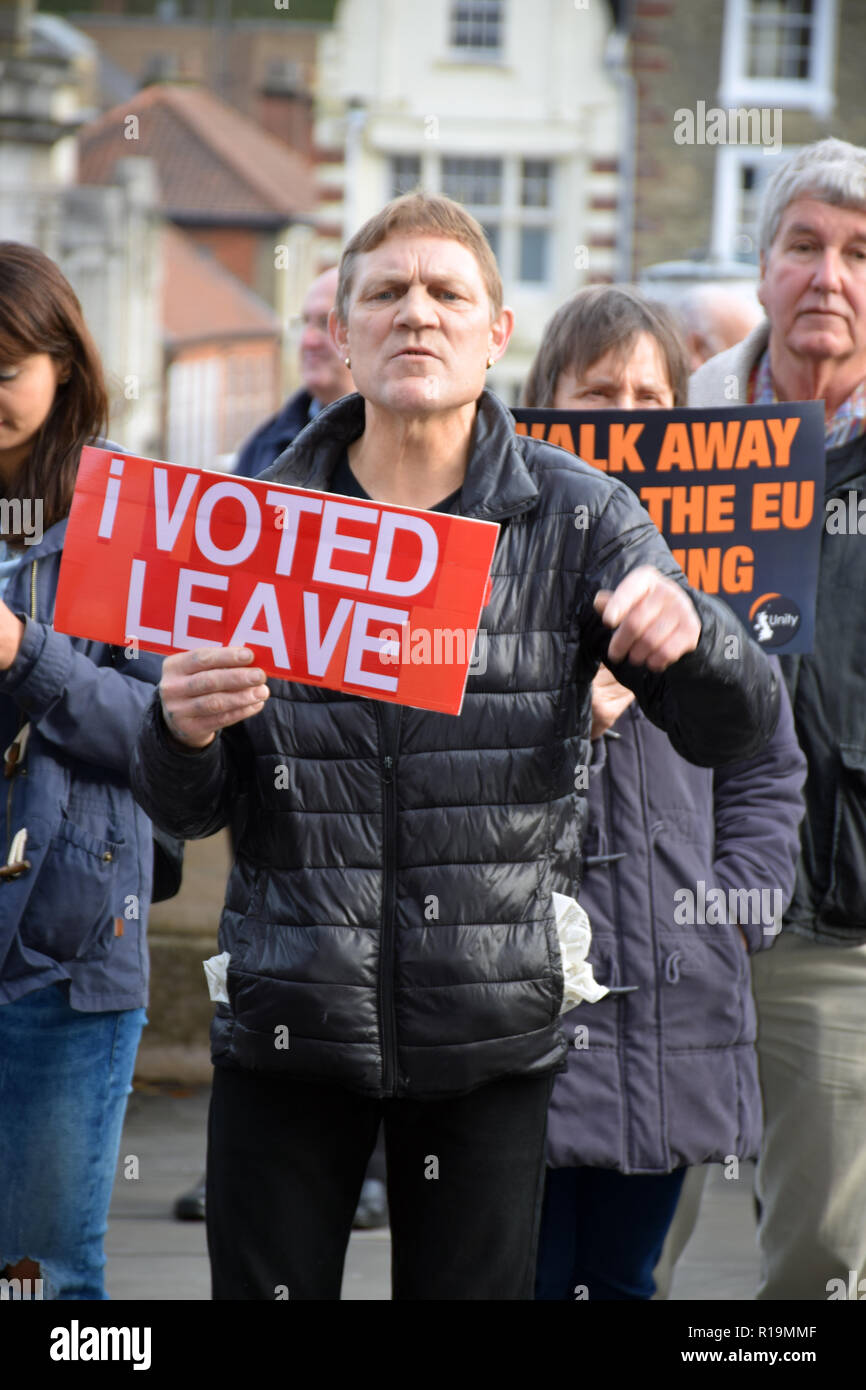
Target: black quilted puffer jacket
389,915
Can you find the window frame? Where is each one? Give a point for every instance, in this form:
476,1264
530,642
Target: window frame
729,161
393,157
528,216
465,53
814,93
493,213
511,217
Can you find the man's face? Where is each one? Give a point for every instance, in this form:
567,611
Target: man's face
813,282
419,329
324,373
636,379
719,324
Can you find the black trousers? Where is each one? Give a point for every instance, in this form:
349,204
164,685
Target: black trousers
285,1165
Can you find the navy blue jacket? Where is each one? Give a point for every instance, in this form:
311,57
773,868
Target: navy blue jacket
88,844
662,1071
274,436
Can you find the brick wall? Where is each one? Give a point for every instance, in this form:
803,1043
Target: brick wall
236,248
676,61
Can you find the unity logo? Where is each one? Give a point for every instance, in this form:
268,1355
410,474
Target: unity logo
773,620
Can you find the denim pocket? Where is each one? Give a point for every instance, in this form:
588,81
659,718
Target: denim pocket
71,909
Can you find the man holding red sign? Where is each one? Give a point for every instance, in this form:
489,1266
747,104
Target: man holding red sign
390,920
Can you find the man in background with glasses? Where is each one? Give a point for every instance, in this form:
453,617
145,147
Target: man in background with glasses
325,376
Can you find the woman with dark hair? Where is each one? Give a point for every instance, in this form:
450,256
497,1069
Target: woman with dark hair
76,885
662,1073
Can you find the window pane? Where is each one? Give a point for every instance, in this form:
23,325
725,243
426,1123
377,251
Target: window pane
535,183
491,231
405,173
533,255
780,38
476,24
475,182
750,186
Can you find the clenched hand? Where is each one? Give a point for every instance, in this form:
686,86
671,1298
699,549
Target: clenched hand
654,619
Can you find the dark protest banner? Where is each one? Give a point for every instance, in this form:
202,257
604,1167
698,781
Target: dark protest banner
737,493
352,595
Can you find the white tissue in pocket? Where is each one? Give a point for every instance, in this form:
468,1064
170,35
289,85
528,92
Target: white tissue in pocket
215,973
575,935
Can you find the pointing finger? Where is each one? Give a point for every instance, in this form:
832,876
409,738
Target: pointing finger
629,592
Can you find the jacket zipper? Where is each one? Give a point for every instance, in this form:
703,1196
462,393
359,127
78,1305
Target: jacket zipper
389,855
388,718
16,770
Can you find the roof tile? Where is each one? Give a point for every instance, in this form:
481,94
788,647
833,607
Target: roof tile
211,161
202,301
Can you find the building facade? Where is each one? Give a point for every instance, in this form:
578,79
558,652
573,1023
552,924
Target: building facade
222,357
723,89
264,67
105,240
513,109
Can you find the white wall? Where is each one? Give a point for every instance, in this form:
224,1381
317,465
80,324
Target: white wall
549,96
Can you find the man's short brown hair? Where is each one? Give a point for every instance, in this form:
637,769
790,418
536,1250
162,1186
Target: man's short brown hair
428,215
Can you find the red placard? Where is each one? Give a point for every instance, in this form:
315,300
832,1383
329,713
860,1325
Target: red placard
349,594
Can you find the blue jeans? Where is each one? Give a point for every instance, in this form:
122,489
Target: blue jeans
602,1232
64,1079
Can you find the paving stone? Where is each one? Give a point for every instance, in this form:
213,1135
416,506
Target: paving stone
153,1257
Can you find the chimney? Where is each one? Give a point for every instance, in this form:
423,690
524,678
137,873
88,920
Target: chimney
285,108
15,16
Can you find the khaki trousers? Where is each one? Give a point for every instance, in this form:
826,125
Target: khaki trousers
811,1177
681,1229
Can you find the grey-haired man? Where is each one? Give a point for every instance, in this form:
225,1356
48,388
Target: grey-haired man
811,988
